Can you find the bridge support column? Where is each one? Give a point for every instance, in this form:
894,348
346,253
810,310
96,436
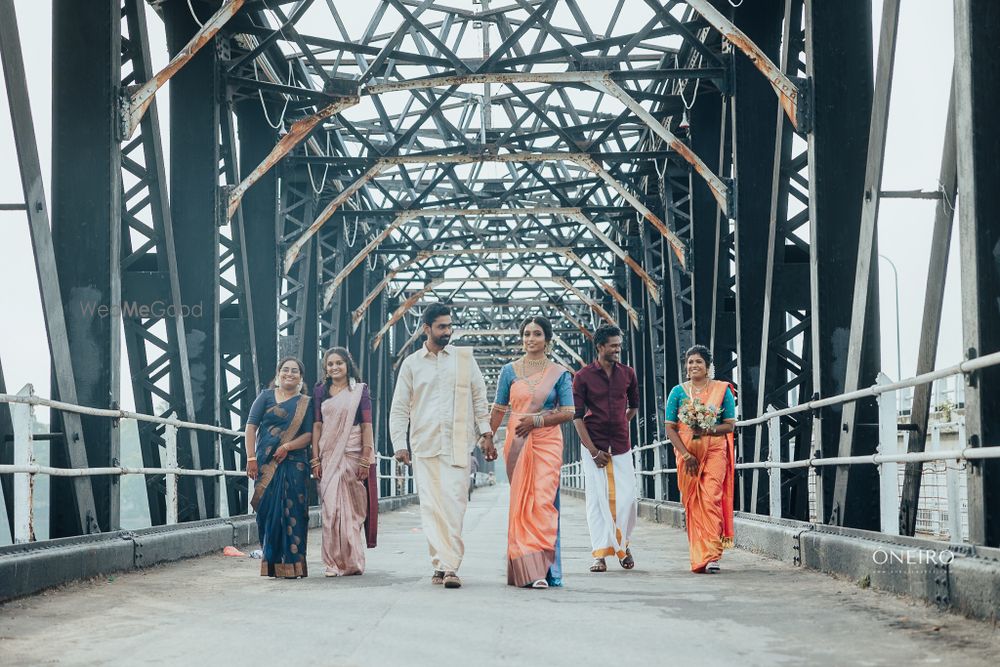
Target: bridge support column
194,177
754,104
839,58
86,234
977,96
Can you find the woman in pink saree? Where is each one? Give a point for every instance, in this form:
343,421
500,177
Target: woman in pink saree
344,465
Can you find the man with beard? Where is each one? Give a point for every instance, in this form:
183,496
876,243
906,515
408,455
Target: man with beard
440,403
606,394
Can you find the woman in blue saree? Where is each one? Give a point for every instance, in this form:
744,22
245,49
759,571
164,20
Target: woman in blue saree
279,432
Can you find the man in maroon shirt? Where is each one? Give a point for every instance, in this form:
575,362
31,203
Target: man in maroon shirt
606,394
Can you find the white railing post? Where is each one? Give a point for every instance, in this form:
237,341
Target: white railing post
935,507
170,437
221,484
658,477
953,479
23,418
774,474
888,445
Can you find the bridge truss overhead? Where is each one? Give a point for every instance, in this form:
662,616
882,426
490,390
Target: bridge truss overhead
690,171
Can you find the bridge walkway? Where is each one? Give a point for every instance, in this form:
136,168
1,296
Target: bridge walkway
218,611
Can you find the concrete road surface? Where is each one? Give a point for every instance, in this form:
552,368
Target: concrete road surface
219,611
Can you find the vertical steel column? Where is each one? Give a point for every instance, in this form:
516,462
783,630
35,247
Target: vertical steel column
977,96
237,355
152,312
930,329
839,58
194,177
86,233
785,376
298,327
754,104
259,207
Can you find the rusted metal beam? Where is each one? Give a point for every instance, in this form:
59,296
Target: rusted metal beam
359,313
362,255
719,189
596,307
582,160
788,93
574,213
138,102
403,308
296,247
575,322
651,286
633,315
297,133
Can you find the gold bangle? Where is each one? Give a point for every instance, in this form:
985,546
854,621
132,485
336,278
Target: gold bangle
252,458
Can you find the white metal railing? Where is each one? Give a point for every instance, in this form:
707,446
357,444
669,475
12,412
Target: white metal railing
888,457
24,469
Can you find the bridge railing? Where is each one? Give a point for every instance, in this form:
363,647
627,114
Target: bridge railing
887,458
25,469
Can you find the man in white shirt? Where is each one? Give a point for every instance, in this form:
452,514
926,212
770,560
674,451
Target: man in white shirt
440,403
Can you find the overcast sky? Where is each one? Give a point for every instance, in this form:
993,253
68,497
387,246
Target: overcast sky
916,132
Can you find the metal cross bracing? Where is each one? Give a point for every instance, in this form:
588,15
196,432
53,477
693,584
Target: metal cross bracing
691,171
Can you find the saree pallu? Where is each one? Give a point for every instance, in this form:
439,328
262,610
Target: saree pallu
533,467
283,512
344,498
708,496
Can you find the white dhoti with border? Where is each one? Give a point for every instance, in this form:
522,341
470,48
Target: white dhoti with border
443,489
611,504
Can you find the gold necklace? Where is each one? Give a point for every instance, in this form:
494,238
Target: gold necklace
695,390
335,389
535,377
277,396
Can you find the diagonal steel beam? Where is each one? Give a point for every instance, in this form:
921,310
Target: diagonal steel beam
403,308
296,134
580,159
719,189
139,101
596,307
788,93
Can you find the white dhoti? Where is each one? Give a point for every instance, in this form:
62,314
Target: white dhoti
611,504
443,490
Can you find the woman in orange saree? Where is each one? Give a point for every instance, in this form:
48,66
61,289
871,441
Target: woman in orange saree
539,395
705,462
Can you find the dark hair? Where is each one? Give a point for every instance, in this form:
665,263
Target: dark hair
302,373
352,368
604,333
543,322
701,351
434,311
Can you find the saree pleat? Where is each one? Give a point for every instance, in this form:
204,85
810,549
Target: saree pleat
533,466
708,495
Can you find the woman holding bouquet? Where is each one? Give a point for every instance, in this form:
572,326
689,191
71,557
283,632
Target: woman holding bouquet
700,417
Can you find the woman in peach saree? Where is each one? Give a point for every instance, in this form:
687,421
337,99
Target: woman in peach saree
539,395
705,462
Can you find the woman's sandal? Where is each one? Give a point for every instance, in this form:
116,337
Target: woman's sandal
599,565
540,583
628,562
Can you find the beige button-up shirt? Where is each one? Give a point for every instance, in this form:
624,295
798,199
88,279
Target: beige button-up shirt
423,404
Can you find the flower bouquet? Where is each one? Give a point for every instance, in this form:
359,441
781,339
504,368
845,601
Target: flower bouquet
697,415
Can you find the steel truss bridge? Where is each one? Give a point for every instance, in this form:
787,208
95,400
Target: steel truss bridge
690,171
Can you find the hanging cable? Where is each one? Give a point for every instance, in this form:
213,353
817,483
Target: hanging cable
357,222
195,16
281,120
735,4
694,95
326,169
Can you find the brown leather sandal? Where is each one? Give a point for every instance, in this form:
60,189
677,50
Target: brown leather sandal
437,577
599,565
628,562
451,580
